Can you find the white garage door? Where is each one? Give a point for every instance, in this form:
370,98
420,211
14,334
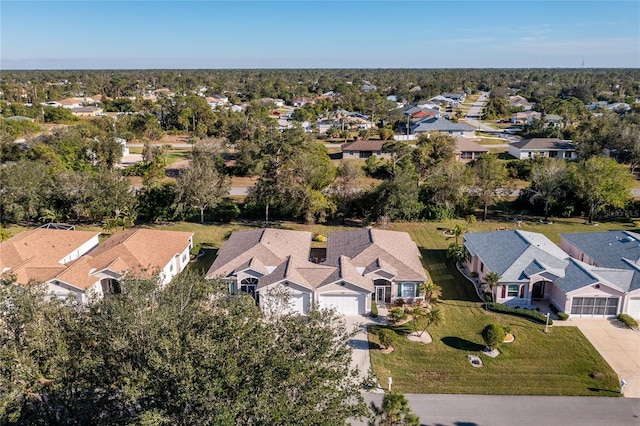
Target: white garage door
344,304
299,303
634,307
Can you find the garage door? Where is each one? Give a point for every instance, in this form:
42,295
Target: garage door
594,306
634,307
344,304
299,303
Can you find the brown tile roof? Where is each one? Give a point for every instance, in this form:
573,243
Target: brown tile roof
364,145
36,254
139,251
466,145
367,245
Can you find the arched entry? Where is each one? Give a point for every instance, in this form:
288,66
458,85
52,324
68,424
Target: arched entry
537,291
249,286
382,291
110,286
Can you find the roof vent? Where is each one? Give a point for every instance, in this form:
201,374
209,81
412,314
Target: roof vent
627,239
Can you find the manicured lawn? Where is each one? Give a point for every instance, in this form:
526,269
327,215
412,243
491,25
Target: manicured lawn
561,362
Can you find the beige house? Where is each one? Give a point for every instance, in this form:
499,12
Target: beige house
468,150
364,149
72,264
360,266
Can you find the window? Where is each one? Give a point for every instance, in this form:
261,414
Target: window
512,290
408,290
184,257
466,155
481,267
171,267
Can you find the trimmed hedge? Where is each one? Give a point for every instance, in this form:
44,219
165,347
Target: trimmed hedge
628,321
521,312
374,309
563,316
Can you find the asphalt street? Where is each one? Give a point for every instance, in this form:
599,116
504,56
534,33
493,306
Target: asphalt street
495,410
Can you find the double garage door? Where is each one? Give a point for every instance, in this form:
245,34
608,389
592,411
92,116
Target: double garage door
346,304
594,306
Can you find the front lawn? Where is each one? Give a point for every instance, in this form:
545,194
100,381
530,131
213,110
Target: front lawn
561,362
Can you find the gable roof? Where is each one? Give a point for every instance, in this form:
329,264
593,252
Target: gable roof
544,144
270,246
139,251
365,246
37,254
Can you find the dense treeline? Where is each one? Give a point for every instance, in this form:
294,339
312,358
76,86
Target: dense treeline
535,84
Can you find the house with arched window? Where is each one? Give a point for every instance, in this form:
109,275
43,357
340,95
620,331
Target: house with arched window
359,267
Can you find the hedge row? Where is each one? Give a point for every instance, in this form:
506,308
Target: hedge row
521,312
628,321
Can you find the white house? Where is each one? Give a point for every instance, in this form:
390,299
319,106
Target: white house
543,147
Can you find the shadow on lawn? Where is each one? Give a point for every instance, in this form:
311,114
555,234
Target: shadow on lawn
462,344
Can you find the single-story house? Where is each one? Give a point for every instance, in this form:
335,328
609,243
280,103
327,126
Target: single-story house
543,147
72,264
467,150
531,267
364,149
90,111
72,102
442,125
359,267
300,101
520,101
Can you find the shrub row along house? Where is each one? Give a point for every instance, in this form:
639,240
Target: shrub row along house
360,266
589,275
73,265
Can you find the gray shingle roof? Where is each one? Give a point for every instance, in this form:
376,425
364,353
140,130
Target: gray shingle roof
439,124
546,144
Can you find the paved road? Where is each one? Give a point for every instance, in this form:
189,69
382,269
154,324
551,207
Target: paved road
495,410
475,112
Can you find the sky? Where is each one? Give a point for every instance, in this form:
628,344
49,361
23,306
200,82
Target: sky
319,34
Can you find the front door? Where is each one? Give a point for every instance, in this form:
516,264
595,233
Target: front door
380,295
538,290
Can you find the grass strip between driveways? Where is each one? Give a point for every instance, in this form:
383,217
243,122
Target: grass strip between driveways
561,362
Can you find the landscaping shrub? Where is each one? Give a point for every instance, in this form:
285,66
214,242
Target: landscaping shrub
522,312
374,309
488,297
493,334
563,316
628,321
399,302
397,314
387,337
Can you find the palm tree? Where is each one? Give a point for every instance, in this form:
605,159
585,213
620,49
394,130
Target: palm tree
491,279
430,290
433,316
457,231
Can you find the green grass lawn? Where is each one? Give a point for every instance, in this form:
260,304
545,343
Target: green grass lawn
561,362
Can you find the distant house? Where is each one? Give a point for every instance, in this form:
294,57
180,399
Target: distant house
73,265
442,125
543,147
368,87
52,104
72,103
456,96
271,101
418,112
520,101
364,149
301,101
442,100
467,150
89,111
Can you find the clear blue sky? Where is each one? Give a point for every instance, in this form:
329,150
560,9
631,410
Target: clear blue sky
318,34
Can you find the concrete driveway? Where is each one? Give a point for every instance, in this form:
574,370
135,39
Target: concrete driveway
360,344
618,345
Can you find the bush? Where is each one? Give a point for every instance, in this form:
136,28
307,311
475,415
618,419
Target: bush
374,309
387,337
319,238
397,314
522,312
399,302
628,321
493,334
563,316
474,275
488,297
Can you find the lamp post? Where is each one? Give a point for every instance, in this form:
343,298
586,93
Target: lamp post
546,326
390,380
